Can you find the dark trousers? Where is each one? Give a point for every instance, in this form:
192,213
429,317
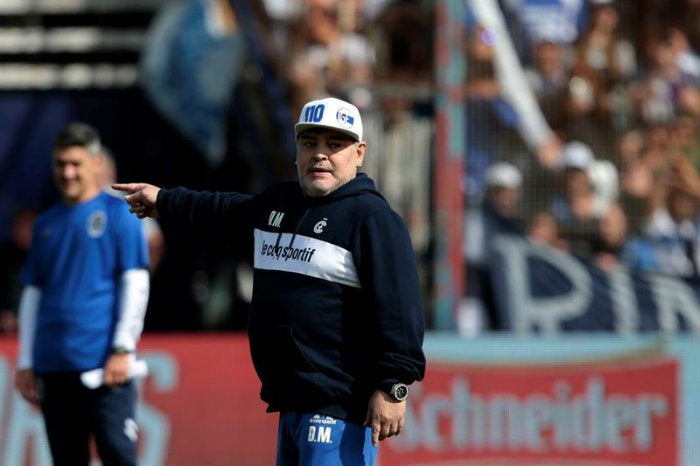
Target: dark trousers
73,414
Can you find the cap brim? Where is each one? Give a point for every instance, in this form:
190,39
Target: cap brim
302,127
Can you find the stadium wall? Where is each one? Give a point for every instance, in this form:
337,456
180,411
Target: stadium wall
579,399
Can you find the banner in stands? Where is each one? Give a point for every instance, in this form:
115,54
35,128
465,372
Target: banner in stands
575,399
538,289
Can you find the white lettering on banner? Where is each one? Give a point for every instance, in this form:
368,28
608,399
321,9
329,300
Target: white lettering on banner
675,298
154,425
670,298
304,255
592,421
624,302
22,429
545,313
20,426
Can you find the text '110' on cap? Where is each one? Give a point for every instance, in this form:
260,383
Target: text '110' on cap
330,113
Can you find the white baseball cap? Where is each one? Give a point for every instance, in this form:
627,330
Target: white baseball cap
330,113
503,175
576,154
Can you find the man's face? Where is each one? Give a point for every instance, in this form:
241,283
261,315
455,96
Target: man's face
326,160
75,174
505,200
681,205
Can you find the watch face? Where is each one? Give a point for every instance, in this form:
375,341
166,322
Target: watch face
400,391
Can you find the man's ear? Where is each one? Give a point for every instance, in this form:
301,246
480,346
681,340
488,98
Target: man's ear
361,153
101,169
99,163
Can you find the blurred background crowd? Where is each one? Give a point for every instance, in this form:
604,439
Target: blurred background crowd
581,125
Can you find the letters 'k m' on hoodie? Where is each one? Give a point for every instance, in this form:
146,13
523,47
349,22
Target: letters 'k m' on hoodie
336,310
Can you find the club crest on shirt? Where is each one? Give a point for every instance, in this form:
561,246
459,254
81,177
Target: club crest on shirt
318,228
96,224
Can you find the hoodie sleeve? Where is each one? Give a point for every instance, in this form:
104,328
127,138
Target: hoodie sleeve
220,217
388,274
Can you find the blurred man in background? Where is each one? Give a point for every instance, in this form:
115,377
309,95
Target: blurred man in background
86,290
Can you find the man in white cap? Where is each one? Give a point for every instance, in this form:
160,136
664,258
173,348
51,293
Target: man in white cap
336,322
497,214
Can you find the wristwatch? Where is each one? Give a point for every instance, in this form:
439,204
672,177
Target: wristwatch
398,391
121,350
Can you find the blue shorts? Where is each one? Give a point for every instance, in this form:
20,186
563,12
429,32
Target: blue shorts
305,439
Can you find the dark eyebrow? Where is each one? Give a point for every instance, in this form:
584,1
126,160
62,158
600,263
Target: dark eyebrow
331,135
340,137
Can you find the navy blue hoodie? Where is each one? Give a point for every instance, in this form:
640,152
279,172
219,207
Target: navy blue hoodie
336,310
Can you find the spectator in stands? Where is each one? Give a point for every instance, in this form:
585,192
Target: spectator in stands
403,33
542,229
612,58
658,96
548,74
329,57
588,189
491,122
630,145
602,49
498,214
637,180
538,138
190,66
612,234
685,133
502,201
687,58
669,244
559,19
584,115
682,14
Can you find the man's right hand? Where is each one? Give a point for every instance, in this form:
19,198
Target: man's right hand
141,198
26,383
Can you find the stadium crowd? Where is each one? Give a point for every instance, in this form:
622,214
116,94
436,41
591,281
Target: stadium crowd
610,176
619,93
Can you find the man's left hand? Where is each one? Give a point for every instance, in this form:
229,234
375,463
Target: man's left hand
385,416
117,369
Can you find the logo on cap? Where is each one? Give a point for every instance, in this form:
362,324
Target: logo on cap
313,113
345,119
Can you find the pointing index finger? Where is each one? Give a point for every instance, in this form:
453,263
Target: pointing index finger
126,187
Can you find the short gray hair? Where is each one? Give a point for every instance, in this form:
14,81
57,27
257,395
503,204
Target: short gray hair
78,134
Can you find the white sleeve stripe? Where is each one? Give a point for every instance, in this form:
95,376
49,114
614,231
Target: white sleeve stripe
28,309
133,300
